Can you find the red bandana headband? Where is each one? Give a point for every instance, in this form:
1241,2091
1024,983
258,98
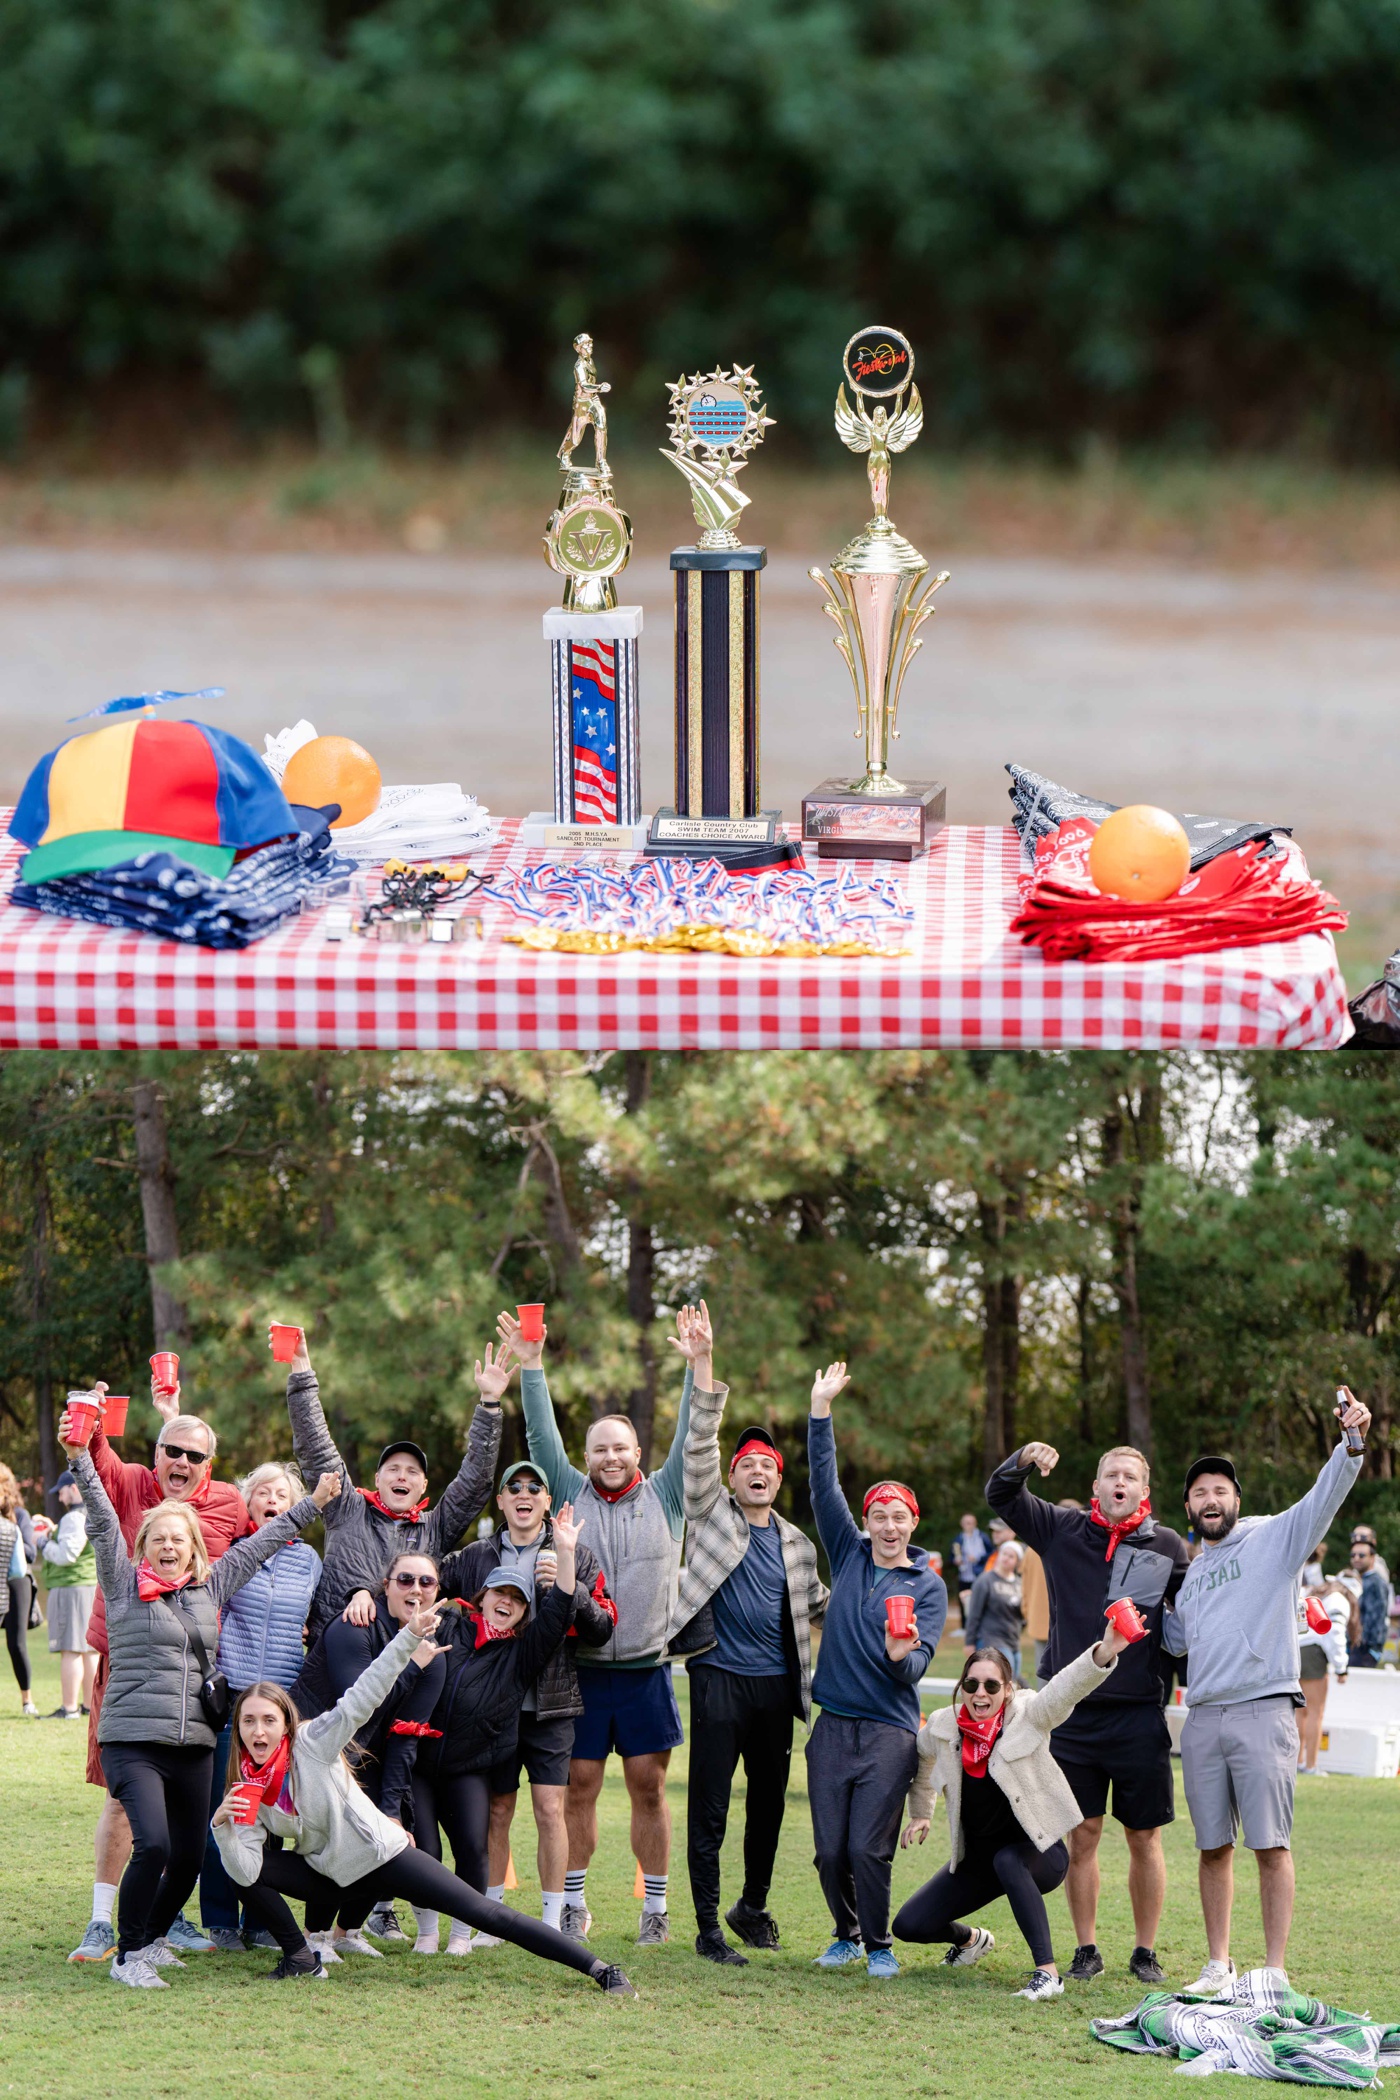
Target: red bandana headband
756,1443
890,1491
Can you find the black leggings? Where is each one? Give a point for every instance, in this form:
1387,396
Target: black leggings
17,1629
1019,1872
164,1789
424,1882
462,1805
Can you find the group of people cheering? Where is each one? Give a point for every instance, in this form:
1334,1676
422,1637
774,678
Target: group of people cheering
358,1708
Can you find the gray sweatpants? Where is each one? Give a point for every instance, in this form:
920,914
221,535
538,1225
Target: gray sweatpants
858,1774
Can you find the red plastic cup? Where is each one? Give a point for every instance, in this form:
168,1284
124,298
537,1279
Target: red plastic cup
899,1617
1125,1618
284,1342
165,1369
531,1318
84,1414
1316,1614
114,1408
247,1801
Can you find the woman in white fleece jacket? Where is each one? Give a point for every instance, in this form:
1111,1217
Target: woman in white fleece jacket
1010,1807
335,1841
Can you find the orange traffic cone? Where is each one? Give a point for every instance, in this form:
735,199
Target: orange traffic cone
639,1887
511,1882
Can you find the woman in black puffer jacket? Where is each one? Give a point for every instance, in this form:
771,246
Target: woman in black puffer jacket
493,1657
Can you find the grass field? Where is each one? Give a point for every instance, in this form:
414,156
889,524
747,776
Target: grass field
501,2023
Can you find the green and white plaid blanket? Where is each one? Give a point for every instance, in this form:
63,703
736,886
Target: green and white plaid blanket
1259,2028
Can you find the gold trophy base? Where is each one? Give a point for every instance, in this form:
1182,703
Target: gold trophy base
846,820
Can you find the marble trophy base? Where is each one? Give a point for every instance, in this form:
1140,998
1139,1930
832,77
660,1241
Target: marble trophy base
845,823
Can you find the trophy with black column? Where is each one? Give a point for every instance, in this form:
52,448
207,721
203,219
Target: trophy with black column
593,645
881,597
717,420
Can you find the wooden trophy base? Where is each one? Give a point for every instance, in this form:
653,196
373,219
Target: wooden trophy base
846,825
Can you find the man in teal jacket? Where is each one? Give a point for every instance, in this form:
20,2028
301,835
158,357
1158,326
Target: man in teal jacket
635,1523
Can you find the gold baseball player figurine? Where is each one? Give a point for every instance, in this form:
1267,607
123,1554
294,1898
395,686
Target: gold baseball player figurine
588,539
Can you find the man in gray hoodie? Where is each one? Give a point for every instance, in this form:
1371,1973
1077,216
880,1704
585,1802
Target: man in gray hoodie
1236,1614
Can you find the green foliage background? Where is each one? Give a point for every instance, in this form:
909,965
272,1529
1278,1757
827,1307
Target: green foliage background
1171,220
866,1206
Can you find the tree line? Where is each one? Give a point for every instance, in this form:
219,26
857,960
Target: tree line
1163,222
1185,1252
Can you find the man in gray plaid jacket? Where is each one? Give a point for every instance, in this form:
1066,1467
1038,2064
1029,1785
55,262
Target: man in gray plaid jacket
748,1596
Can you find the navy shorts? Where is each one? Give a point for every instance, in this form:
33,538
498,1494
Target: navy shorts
631,1711
544,1748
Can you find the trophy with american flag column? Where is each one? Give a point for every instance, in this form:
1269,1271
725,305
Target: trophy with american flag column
592,644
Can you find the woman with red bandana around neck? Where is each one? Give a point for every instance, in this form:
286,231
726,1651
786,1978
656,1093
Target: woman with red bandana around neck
334,1844
370,1526
1010,1807
1118,1739
862,1753
495,1652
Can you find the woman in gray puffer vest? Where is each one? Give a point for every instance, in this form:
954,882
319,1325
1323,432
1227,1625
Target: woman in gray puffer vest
155,1741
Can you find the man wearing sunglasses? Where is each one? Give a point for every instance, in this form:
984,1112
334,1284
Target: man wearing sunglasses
184,1460
523,1543
372,1526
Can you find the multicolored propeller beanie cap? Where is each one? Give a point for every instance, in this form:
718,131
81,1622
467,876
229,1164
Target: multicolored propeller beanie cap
147,786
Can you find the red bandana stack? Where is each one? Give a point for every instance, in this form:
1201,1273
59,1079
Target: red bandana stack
149,1585
271,1775
1122,1528
395,1516
978,1738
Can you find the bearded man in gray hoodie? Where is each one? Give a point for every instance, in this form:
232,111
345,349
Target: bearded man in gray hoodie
1236,1613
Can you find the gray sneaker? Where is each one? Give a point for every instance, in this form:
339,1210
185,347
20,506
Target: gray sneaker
382,1923
188,1939
137,1974
98,1943
575,1921
226,1940
161,1955
654,1929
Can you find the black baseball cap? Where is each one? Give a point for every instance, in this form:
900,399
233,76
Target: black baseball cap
65,1480
404,1444
1223,1466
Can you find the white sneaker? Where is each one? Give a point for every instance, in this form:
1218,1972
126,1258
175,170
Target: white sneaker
459,1940
422,1946
161,1955
1042,1986
1213,1977
351,1943
971,1951
137,1974
323,1944
483,1941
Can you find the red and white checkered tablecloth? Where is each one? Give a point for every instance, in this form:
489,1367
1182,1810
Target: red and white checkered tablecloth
66,985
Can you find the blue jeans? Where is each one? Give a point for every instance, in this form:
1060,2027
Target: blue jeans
220,1899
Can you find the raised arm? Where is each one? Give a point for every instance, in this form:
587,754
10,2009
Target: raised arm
1056,1701
328,1734
1029,1516
312,1443
114,1569
669,1482
542,1438
836,1527
245,1556
471,1490
1307,1521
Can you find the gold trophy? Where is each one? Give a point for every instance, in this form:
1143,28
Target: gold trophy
881,598
717,420
593,647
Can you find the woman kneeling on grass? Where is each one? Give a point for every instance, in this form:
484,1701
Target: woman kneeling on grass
1010,1807
335,1841
155,1734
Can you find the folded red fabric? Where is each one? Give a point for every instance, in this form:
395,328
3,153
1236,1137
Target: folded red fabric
1238,900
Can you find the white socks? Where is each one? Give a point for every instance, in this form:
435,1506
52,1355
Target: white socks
427,1940
104,1896
656,1893
551,1904
497,1894
459,1940
573,1886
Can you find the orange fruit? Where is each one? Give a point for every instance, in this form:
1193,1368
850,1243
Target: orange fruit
334,769
1140,854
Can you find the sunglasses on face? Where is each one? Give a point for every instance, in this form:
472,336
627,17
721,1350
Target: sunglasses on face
526,1487
982,1684
196,1458
416,1582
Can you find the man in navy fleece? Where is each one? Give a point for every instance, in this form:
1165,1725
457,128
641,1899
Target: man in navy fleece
863,1750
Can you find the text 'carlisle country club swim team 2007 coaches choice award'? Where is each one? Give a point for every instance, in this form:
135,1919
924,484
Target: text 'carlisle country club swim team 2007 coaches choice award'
881,597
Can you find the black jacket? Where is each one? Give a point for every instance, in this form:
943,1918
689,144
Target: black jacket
478,1713
383,1752
557,1695
1080,1582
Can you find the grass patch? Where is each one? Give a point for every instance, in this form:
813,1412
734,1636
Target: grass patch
500,2022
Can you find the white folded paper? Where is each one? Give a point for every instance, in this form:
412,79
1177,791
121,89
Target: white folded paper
434,822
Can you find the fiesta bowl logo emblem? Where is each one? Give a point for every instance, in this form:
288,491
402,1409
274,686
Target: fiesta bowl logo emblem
716,415
879,361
